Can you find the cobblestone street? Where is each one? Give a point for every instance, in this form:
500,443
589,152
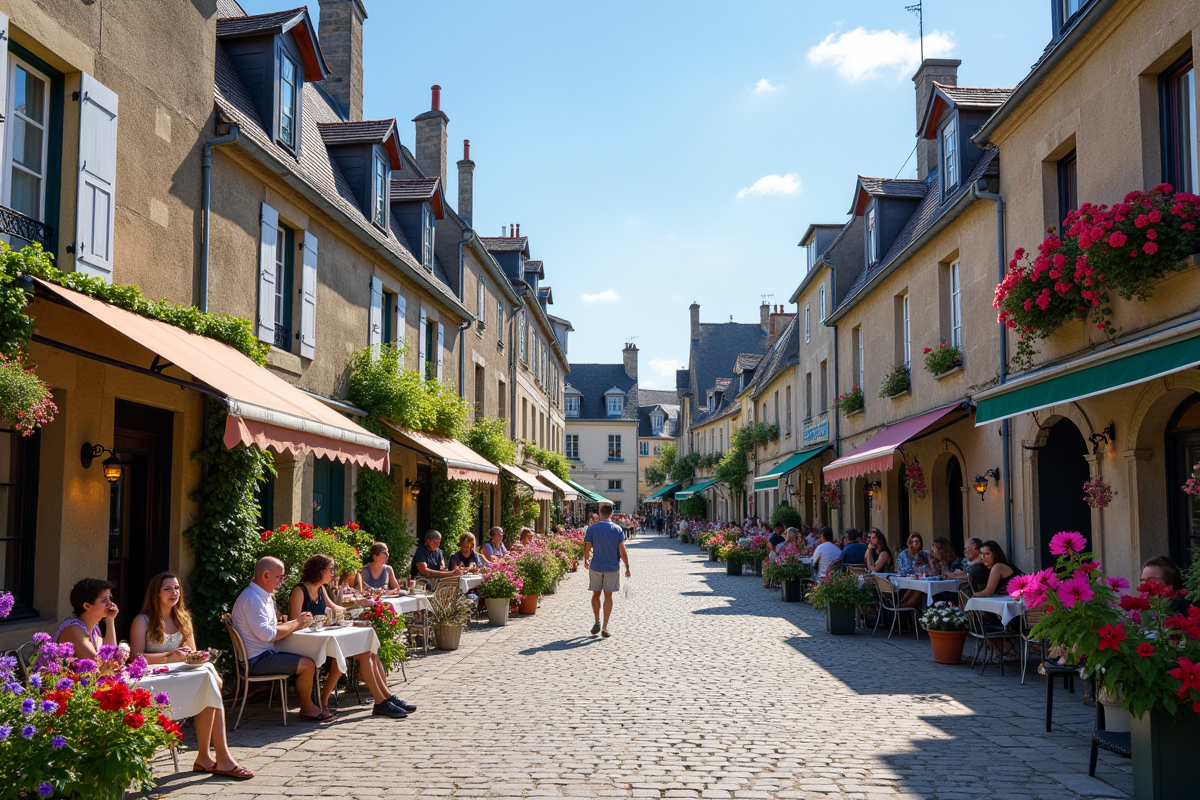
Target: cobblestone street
710,687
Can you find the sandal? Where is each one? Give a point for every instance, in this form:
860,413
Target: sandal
324,716
238,773
198,768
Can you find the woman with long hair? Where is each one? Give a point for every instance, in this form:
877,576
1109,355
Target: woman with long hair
999,570
163,634
377,575
878,557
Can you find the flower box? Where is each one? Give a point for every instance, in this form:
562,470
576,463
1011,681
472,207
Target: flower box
952,371
901,395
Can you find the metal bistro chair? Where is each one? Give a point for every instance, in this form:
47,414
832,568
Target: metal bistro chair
992,637
889,601
1030,620
26,654
244,678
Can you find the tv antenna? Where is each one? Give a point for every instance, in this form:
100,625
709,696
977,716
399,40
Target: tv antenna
915,8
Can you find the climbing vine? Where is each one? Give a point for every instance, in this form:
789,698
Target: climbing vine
548,459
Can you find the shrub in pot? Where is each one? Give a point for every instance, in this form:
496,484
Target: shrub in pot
839,595
537,573
946,625
789,571
448,619
501,585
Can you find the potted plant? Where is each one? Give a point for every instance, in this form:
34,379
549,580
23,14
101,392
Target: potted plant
895,382
839,594
831,493
851,401
945,358
790,572
1097,493
946,625
1136,647
500,587
714,544
448,619
389,627
757,550
733,555
536,574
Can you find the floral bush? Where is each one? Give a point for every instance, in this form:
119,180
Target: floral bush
501,581
914,481
1135,644
945,358
537,569
851,401
943,616
831,493
787,568
25,400
1192,486
840,589
1097,493
1123,248
78,728
389,627
294,543
895,382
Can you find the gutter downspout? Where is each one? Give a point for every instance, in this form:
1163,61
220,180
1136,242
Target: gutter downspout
462,356
1002,368
206,201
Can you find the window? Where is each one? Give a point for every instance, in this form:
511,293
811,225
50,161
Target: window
1177,98
811,252
871,234
950,155
656,423
956,304
431,355
644,449
501,399
572,405
821,295
775,403
18,518
288,86
858,369
787,428
480,398
429,231
658,449
807,324
285,264
614,447
1068,9
808,395
613,405
824,386
28,110
615,485
571,445
906,334
387,319
720,440
381,191
499,323
616,506
481,304
1068,186
521,332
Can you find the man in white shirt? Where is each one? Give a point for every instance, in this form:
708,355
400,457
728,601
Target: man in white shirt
255,620
826,553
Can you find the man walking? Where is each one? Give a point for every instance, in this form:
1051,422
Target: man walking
603,553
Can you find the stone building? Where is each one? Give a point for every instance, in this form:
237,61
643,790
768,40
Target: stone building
658,417
601,408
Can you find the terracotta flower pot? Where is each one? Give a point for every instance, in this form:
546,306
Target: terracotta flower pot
947,646
529,604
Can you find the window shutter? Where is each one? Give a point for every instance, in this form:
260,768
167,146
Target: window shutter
441,342
401,309
3,89
95,206
424,323
375,321
267,247
308,299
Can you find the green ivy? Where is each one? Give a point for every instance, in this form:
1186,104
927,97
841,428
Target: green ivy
451,507
684,469
655,476
693,507
548,459
375,511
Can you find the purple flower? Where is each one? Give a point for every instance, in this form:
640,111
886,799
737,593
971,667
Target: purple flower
162,699
41,637
35,681
137,668
49,706
1067,542
4,732
8,663
27,705
14,687
45,789
6,603
58,742
84,665
65,684
28,731
108,652
1117,582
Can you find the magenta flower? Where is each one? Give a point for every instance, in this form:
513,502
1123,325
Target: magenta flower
6,603
84,665
1018,583
1075,589
109,652
1048,578
1117,582
1067,542
41,637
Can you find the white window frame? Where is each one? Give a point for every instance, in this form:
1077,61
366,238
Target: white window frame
656,423
428,232
481,303
572,405
571,446
904,310
950,154
499,322
614,447
381,191
821,296
615,485
956,304
614,404
644,449
284,86
871,246
10,127
280,272
807,323
862,368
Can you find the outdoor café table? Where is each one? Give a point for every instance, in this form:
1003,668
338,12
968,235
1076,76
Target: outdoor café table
336,643
411,604
1007,608
926,586
468,582
806,560
191,689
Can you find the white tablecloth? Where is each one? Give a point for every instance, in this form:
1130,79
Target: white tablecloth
806,560
336,643
1007,608
468,582
408,604
191,689
927,587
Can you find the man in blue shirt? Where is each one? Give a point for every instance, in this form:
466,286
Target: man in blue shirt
855,551
603,552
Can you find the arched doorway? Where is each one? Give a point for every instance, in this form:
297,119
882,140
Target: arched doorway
1062,471
1183,452
954,504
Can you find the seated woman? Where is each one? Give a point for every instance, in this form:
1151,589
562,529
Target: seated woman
525,541
878,557
466,558
941,563
310,595
913,557
162,634
377,575
999,571
349,586
495,548
91,600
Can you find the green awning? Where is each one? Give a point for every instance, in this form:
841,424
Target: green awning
587,495
695,489
663,491
770,480
1116,368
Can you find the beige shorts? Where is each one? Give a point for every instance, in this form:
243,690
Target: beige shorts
603,581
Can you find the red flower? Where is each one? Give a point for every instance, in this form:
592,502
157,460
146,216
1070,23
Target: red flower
352,526
1111,637
135,720
169,726
1145,650
1131,603
142,698
928,350
113,696
1188,674
61,698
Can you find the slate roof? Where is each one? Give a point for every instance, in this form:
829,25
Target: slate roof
975,97
229,8
535,266
670,413
657,397
713,355
314,166
506,244
414,189
378,131
592,381
746,361
783,353
259,24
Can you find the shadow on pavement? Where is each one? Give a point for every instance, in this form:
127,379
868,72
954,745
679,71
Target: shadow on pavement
561,645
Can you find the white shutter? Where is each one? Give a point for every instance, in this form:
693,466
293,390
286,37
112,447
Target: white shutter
375,323
441,342
421,345
401,309
267,248
308,299
95,207
3,91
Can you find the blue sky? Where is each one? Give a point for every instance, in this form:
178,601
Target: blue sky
661,152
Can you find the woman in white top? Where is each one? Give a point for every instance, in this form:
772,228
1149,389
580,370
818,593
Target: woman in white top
162,634
495,548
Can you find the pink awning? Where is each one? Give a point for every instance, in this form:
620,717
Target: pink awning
877,453
264,410
462,463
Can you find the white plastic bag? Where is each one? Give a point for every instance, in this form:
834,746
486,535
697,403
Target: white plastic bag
627,587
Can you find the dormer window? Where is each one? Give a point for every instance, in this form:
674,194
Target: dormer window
289,86
381,191
571,405
950,155
656,424
614,404
872,236
812,255
428,231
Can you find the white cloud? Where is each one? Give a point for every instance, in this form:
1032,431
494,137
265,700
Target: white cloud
607,296
764,86
860,53
665,367
772,184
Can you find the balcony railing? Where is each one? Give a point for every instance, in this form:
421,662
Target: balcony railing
15,224
283,337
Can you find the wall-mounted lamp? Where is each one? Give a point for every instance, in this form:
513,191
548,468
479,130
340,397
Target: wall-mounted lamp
413,486
981,481
112,466
1107,436
873,487
792,490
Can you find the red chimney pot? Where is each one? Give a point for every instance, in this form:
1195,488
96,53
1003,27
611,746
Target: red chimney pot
466,149
510,230
436,105
518,230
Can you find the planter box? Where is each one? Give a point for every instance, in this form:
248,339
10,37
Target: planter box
712,555
1163,749
733,567
839,619
901,394
949,372
789,591
497,608
947,646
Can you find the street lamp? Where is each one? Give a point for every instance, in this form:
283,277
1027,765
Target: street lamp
112,466
981,481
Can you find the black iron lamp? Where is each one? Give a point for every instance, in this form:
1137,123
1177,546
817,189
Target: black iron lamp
1107,436
413,486
112,466
981,481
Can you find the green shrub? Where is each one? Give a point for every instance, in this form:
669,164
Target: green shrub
788,516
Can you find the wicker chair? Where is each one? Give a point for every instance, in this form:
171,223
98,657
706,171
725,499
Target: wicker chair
244,678
1112,741
855,569
889,601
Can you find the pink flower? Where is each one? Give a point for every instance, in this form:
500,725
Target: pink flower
1075,589
1067,542
1018,583
1150,248
1117,239
1117,582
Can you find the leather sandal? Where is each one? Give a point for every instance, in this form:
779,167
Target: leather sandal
238,773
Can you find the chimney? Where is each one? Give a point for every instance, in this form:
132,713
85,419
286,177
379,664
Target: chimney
764,316
466,183
945,72
630,355
431,138
695,309
779,320
341,36
518,230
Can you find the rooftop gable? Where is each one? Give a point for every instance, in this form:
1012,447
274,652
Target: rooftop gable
296,21
382,131
943,98
866,188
